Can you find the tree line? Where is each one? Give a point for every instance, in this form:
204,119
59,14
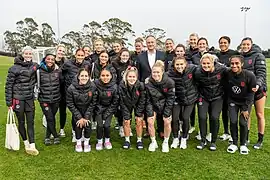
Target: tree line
29,32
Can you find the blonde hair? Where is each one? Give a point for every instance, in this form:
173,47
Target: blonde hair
60,45
208,56
159,63
27,48
127,71
98,40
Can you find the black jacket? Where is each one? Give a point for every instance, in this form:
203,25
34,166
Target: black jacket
120,69
254,61
89,59
132,98
50,80
186,92
81,99
224,57
143,66
189,53
196,58
94,57
113,56
70,69
97,69
168,59
239,88
211,84
21,80
134,58
61,62
160,96
107,98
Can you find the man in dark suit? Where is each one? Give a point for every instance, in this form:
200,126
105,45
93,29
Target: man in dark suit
145,62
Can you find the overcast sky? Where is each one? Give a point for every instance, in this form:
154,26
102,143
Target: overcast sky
209,18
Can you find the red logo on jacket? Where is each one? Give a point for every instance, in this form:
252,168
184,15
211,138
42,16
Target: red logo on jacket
109,93
218,76
189,76
34,68
165,90
200,99
243,84
138,93
250,61
45,104
90,93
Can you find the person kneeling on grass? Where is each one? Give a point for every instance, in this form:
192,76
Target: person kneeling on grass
81,101
19,92
132,96
49,96
107,102
159,101
241,87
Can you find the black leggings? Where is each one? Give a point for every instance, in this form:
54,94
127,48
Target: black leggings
234,111
225,118
192,117
103,126
213,108
181,113
78,130
22,109
49,110
62,112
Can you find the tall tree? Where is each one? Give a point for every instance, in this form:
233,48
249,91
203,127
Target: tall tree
158,33
48,35
14,41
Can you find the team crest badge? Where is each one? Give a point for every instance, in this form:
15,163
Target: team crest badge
109,93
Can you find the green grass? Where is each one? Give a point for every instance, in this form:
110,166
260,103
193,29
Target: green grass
61,162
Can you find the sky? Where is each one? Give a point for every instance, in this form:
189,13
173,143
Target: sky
208,18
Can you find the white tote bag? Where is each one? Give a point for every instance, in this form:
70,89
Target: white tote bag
12,135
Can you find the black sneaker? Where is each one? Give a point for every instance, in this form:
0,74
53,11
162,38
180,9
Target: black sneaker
56,141
258,145
201,146
139,145
126,145
47,142
213,147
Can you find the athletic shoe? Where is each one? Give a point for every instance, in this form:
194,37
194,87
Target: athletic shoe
202,145
175,143
78,148
198,137
94,125
32,150
47,142
87,148
225,137
108,145
62,133
99,146
165,147
190,131
121,131
56,141
126,145
213,147
153,146
183,144
139,145
230,139
209,137
232,148
244,150
258,145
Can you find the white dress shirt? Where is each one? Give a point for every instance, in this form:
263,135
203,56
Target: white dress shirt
151,58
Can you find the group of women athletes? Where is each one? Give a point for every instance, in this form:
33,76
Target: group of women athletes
95,86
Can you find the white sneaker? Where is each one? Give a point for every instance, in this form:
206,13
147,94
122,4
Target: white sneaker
153,146
225,137
78,148
32,149
230,139
94,125
198,137
121,131
165,147
232,148
26,144
87,148
244,150
175,143
183,144
62,133
44,121
190,131
209,137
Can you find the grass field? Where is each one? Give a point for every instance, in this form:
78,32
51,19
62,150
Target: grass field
61,162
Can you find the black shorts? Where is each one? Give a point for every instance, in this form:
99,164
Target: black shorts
259,94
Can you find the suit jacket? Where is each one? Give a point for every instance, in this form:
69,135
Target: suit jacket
144,69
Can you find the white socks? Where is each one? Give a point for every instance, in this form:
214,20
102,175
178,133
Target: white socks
100,141
153,139
166,140
139,139
127,138
79,142
26,143
107,140
86,141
